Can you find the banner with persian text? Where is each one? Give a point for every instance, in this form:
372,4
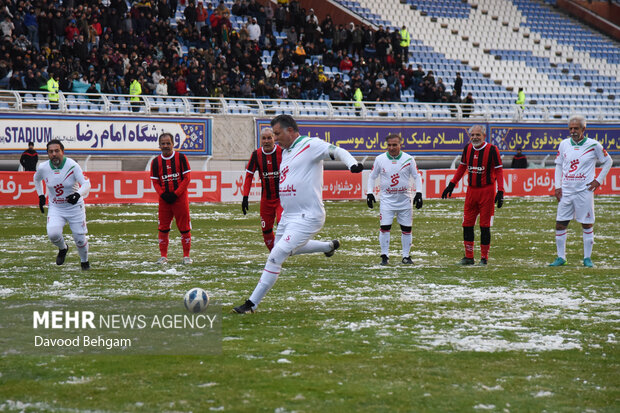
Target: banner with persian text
429,138
104,135
17,188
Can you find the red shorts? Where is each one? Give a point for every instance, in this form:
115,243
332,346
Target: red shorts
479,201
270,211
179,210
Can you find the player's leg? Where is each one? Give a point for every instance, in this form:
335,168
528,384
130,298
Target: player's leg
386,217
405,219
566,212
584,214
180,210
164,218
487,211
470,213
55,222
308,229
77,222
268,212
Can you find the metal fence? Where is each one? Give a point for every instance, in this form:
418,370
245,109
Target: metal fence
71,103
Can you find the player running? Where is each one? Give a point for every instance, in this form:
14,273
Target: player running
483,164
575,185
266,160
170,174
66,188
395,170
301,196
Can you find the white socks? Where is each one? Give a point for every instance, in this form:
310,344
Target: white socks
384,242
405,239
560,242
588,241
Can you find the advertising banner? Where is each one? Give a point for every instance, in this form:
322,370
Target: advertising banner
104,135
368,138
542,139
17,188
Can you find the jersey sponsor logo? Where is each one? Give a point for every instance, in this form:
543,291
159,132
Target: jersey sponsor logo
476,169
283,174
574,164
273,174
59,189
170,177
394,179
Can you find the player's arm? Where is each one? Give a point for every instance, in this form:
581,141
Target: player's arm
460,171
247,183
370,186
604,157
155,178
558,175
82,190
343,155
186,178
38,185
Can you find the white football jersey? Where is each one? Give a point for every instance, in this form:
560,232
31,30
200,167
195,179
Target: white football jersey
395,175
301,175
578,163
61,182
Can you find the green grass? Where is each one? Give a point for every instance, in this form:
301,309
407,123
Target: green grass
336,334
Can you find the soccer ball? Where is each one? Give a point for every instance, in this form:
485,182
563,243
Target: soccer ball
196,300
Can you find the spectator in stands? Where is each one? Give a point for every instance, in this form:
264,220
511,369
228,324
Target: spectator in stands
7,27
458,84
254,30
405,40
29,158
53,88
135,90
521,98
201,17
418,74
519,161
162,87
454,100
468,105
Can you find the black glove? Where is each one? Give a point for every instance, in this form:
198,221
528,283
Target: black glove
499,199
245,205
357,168
73,198
169,197
42,203
370,198
417,200
448,191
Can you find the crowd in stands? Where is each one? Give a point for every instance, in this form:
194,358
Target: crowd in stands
90,47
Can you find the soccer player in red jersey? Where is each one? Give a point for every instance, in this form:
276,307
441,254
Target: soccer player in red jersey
170,173
266,160
483,164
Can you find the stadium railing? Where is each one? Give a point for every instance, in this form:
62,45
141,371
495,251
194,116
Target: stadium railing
101,104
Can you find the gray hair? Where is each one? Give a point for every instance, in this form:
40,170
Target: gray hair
482,128
579,118
265,130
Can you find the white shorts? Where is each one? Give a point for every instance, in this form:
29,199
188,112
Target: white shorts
403,216
295,232
74,215
578,206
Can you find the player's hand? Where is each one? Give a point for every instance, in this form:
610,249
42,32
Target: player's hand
499,199
558,194
245,205
357,168
42,203
370,198
169,197
448,191
417,200
593,185
73,198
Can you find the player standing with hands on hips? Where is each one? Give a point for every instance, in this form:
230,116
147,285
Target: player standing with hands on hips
575,185
170,174
395,170
301,196
66,189
266,160
483,164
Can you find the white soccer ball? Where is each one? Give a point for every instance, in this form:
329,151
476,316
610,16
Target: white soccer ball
196,300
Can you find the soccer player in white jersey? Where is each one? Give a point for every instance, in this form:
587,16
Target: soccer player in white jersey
301,197
395,169
66,188
575,185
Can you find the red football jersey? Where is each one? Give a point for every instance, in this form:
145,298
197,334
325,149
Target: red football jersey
268,166
481,166
170,173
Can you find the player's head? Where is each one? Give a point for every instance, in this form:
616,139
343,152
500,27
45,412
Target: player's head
266,139
394,143
477,133
165,144
56,152
576,127
285,130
